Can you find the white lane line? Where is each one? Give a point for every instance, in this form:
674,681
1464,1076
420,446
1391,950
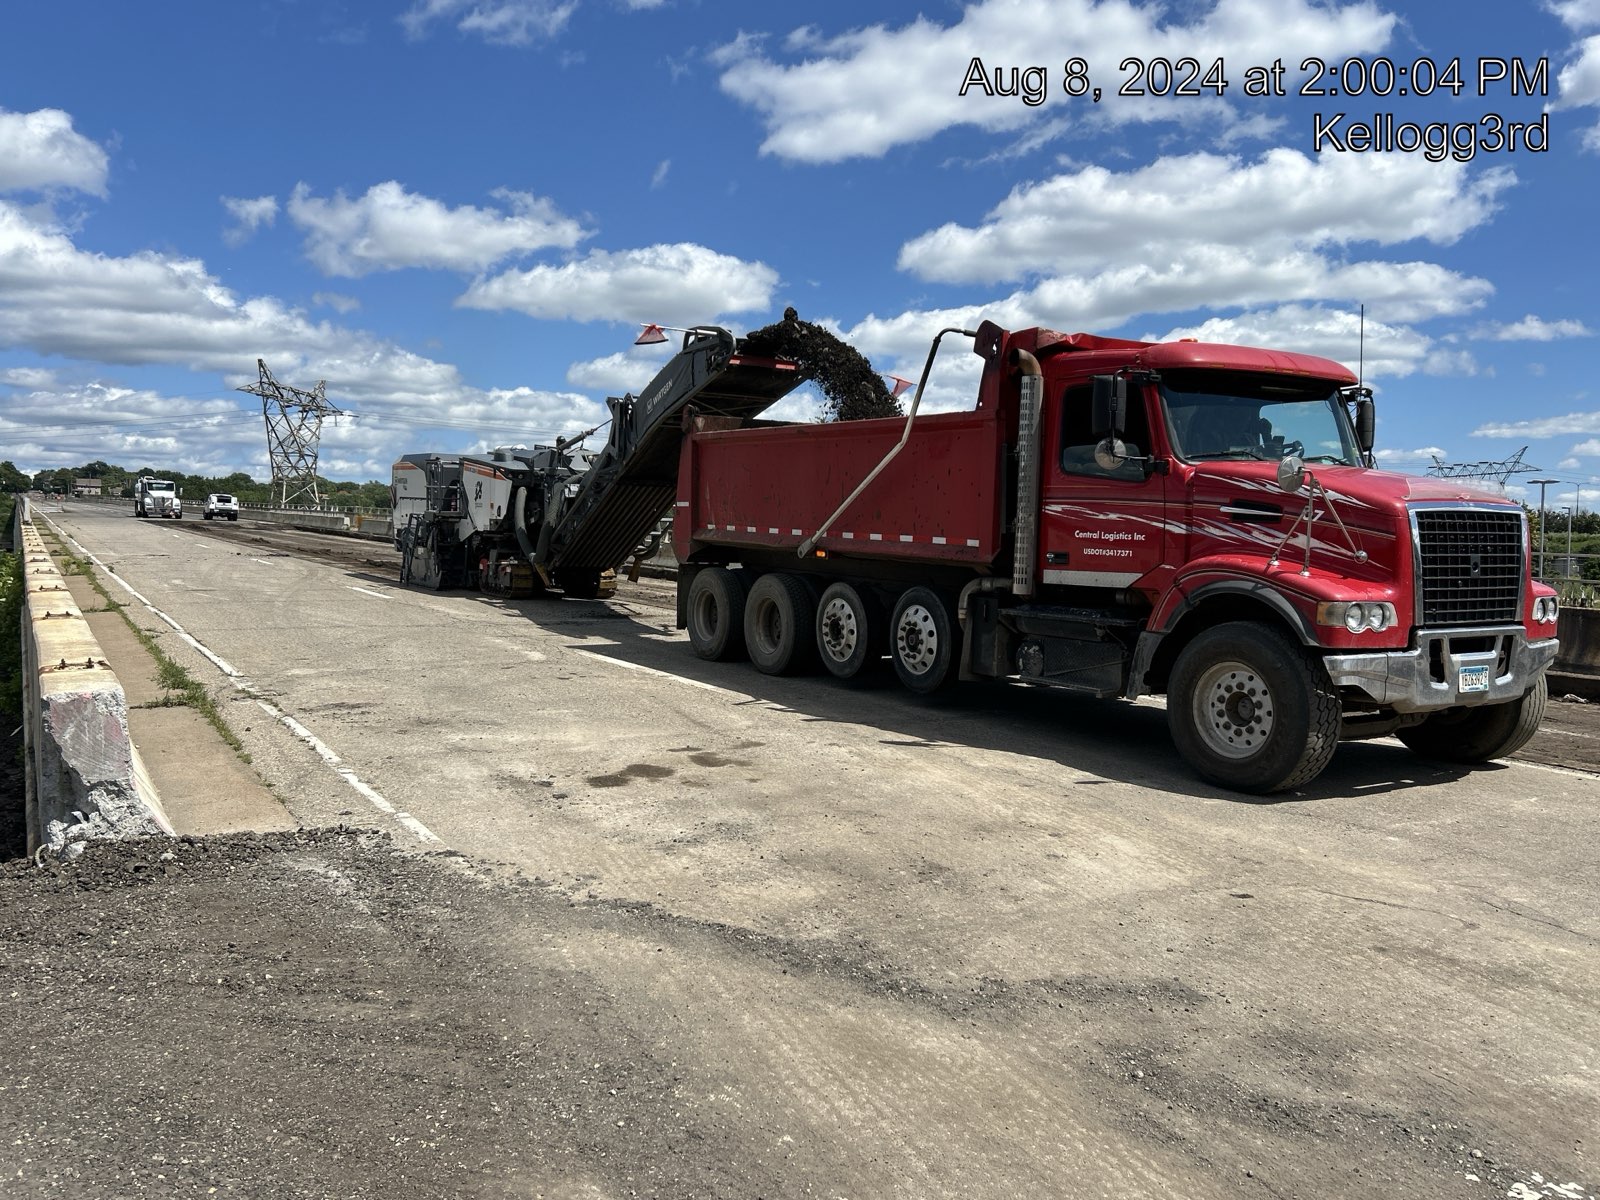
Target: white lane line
1567,771
327,755
249,689
265,562
1588,737
368,592
618,662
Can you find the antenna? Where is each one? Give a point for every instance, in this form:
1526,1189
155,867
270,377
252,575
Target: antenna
1361,349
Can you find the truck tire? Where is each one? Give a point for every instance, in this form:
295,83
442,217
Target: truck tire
1476,735
849,630
1251,710
922,642
716,614
779,617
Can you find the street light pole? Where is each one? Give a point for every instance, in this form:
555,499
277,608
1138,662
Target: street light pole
1543,520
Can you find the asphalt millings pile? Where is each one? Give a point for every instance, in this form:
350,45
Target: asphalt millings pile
851,389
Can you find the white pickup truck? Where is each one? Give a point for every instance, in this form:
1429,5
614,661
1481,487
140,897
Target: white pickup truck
221,504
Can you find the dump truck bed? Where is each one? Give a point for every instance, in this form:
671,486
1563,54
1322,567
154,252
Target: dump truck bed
941,500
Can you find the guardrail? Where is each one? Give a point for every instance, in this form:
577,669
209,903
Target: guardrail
83,777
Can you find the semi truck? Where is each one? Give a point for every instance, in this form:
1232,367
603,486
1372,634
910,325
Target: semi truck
1114,518
154,497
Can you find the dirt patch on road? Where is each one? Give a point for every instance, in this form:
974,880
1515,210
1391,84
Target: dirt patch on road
324,1014
316,1014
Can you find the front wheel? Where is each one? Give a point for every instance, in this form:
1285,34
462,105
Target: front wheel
1476,735
1251,710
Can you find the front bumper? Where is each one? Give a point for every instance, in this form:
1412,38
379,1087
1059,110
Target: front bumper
1428,677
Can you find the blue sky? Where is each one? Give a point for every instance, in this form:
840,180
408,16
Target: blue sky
457,212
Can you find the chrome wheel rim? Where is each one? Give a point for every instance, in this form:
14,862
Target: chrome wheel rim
839,629
1234,710
916,639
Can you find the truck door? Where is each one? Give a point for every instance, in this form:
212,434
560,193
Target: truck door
1100,527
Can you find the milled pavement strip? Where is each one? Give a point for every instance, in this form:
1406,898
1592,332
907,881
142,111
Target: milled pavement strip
323,751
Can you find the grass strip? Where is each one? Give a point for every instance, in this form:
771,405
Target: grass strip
182,689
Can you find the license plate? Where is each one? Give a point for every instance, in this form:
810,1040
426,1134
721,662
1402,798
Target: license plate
1473,679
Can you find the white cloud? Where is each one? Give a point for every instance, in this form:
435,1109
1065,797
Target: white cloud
57,425
41,150
622,372
1424,454
503,22
676,284
1576,14
1533,329
150,308
1391,350
28,377
390,228
659,177
337,301
863,92
1542,427
1205,232
250,215
1588,449
1092,218
1578,83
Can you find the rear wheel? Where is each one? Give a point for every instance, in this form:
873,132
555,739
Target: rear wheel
848,628
778,620
716,614
1252,710
1476,735
922,641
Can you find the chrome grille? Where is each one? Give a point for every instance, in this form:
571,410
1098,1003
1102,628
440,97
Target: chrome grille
1471,565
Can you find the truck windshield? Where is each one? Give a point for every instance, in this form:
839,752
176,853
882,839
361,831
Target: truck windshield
1215,415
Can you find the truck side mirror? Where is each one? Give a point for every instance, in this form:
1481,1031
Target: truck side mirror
1366,424
1109,411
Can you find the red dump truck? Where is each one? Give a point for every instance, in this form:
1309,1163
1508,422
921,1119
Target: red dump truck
1121,518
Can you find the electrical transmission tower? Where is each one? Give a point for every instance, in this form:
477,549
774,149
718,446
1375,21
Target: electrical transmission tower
1491,476
294,430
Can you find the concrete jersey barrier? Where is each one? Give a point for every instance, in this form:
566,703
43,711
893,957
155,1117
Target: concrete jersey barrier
83,776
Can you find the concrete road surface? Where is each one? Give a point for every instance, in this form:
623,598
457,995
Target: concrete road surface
1003,946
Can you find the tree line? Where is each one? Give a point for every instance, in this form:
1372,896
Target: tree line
119,481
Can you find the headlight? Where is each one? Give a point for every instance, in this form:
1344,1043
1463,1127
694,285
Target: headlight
1545,610
1357,616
